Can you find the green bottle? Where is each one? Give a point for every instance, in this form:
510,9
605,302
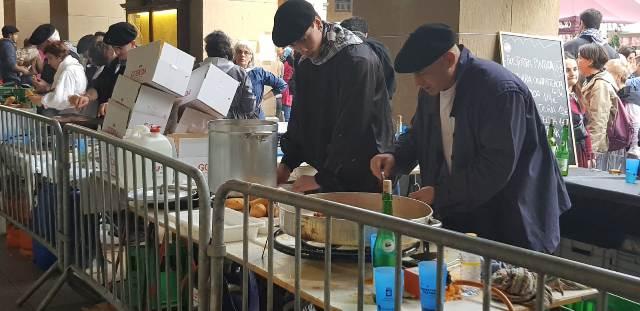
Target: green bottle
384,250
562,154
551,137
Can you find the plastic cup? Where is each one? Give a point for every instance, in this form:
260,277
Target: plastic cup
631,172
427,270
384,279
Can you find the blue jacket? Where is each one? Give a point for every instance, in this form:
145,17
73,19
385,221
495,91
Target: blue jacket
259,78
504,183
8,62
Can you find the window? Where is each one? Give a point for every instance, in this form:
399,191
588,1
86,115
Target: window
163,23
343,5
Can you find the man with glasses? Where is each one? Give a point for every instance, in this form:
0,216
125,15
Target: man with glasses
485,163
121,36
341,117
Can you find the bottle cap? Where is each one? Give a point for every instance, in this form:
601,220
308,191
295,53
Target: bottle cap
387,186
155,129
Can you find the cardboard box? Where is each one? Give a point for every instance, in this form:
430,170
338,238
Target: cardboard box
162,66
136,104
211,89
195,121
192,149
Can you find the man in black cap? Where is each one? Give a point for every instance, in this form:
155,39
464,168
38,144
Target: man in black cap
341,117
481,145
41,37
9,68
121,36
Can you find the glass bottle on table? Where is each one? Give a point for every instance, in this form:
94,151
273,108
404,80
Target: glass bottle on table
562,154
384,250
551,137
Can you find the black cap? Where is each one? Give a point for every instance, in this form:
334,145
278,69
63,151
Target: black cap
8,30
120,34
41,34
291,21
424,46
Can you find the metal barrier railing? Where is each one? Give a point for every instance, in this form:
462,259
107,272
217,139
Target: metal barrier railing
544,265
122,199
30,172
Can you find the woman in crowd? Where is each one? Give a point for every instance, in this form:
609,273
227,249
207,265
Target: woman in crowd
598,94
244,57
581,135
69,80
629,93
288,77
220,54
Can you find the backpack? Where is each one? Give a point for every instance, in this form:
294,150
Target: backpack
620,129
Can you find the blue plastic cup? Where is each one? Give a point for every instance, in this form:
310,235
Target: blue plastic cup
427,270
631,172
384,279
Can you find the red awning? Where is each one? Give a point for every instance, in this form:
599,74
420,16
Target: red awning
613,11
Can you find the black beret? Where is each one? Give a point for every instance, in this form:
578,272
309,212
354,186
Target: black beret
291,21
41,34
9,29
120,34
424,46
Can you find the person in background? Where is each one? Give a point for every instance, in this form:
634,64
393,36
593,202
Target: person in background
42,36
629,93
99,35
598,93
121,37
288,75
220,54
244,57
100,56
581,136
590,21
10,69
360,27
69,80
630,55
341,117
28,57
84,44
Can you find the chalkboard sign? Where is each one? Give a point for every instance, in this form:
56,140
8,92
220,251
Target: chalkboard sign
539,62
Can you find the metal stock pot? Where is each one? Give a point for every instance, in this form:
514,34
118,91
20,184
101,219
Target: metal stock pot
345,232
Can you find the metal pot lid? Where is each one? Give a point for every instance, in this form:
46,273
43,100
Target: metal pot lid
242,126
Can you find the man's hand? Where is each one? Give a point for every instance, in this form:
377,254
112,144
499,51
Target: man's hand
305,184
79,101
102,110
41,86
36,100
426,195
382,163
283,173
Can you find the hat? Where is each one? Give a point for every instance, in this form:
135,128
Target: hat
41,34
120,34
8,30
424,46
291,21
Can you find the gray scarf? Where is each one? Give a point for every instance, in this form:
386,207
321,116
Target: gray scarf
334,39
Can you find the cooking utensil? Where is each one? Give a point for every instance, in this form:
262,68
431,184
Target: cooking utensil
345,232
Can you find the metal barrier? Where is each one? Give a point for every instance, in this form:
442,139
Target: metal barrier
30,172
544,265
130,224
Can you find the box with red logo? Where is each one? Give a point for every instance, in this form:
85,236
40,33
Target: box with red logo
192,149
162,66
211,90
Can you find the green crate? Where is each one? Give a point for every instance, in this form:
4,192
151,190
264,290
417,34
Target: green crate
19,93
614,303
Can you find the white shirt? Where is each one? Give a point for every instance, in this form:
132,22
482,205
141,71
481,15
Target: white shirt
70,79
447,122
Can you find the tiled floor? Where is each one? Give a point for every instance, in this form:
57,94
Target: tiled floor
18,273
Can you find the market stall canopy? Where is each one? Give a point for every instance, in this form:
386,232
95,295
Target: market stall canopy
618,11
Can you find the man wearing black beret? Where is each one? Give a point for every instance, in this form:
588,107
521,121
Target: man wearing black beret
341,117
41,37
121,36
481,145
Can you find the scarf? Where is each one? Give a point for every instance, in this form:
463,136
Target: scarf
593,35
334,39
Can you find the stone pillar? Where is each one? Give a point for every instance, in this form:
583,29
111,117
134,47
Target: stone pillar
477,21
26,15
81,17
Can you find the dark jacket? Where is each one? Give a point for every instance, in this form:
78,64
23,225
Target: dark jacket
341,119
8,62
106,81
243,105
572,46
504,183
387,65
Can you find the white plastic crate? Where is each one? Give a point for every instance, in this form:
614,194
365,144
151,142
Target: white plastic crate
587,253
627,263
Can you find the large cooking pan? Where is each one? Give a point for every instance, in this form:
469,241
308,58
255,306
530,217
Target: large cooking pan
345,232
